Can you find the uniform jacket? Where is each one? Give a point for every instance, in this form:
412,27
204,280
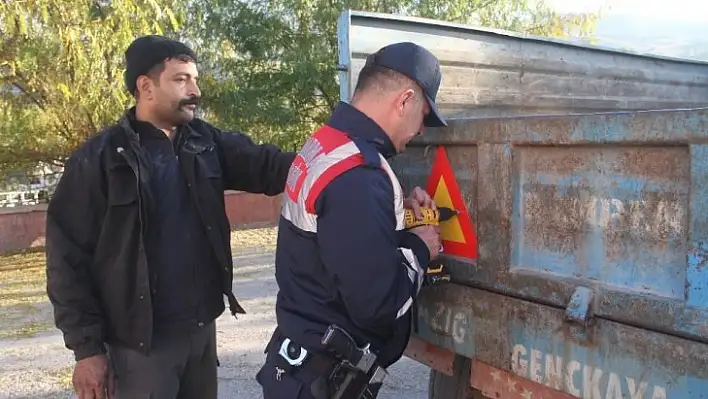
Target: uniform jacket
343,256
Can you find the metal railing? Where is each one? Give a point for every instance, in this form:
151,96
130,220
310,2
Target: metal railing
24,189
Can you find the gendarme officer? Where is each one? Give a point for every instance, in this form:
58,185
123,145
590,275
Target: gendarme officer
343,257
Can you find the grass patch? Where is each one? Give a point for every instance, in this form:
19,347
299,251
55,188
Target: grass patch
26,330
23,298
24,306
24,320
63,376
254,240
22,279
247,274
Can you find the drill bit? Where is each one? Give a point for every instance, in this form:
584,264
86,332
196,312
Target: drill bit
447,213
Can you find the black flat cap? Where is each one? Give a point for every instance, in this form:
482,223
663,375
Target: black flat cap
147,51
418,64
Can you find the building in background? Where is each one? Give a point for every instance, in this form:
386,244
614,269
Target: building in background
31,187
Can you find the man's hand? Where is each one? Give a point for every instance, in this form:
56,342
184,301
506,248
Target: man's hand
93,378
417,199
431,237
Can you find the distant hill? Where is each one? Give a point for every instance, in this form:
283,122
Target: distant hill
660,37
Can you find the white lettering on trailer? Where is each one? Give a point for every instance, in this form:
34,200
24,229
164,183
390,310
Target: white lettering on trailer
554,372
448,322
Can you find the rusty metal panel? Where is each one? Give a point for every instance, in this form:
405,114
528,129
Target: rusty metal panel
433,356
592,239
592,227
490,72
604,360
616,203
614,215
497,383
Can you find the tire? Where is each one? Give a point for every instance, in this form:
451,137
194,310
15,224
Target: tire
457,386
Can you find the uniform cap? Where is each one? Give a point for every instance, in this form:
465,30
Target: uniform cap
419,65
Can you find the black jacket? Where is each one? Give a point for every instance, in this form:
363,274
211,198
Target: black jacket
97,272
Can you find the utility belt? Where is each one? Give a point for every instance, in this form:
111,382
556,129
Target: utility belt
349,373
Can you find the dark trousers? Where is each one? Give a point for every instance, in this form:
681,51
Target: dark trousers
281,382
179,366
277,384
309,381
299,385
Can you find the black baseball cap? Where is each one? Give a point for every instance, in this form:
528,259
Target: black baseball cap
418,64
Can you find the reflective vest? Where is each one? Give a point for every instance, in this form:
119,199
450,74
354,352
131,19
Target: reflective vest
326,154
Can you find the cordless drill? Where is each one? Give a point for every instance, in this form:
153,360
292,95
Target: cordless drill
435,274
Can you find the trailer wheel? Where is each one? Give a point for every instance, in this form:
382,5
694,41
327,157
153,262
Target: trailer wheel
457,386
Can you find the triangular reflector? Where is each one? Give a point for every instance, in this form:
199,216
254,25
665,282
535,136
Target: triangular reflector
458,235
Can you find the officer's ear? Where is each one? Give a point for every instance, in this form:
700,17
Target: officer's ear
406,99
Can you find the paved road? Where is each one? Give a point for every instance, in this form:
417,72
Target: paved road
40,367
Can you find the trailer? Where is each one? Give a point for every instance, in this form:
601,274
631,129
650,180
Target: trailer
579,260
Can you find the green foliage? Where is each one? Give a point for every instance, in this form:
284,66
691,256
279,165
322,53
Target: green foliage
270,66
61,65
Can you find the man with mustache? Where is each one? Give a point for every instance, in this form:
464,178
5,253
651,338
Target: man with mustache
138,254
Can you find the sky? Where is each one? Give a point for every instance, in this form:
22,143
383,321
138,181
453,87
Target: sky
680,10
675,28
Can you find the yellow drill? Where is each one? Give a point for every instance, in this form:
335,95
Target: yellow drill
437,274
430,216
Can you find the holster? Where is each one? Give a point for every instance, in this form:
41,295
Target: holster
314,363
336,378
351,383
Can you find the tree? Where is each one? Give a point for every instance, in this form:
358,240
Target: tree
61,64
269,65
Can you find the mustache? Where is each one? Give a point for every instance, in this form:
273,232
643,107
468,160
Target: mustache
190,101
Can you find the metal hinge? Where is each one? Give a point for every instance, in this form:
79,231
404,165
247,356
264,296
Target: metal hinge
580,310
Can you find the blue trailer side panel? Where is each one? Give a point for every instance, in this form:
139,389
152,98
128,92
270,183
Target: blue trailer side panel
609,201
592,236
697,272
592,225
608,360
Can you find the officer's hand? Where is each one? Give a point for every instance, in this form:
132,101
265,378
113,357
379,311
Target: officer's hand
93,378
418,198
431,236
